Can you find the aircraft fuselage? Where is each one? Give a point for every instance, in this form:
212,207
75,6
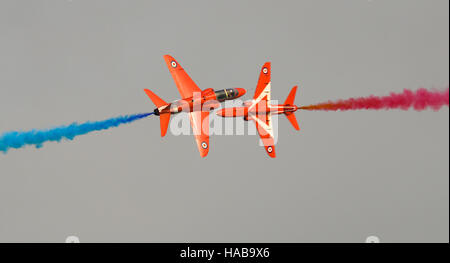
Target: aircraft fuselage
245,111
207,100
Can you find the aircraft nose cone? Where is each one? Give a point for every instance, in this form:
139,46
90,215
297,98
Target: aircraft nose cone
240,92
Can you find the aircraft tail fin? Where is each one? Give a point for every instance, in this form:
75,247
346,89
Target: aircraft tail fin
164,115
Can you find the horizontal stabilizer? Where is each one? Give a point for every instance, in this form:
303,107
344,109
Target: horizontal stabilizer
164,120
164,116
155,99
291,97
291,117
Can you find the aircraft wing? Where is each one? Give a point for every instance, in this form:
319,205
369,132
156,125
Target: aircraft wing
200,127
259,110
186,86
261,99
264,79
264,127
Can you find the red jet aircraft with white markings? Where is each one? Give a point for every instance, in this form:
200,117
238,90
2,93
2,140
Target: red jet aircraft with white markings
193,100
260,109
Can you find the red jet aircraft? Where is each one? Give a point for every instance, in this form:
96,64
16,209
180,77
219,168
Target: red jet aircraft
260,110
193,100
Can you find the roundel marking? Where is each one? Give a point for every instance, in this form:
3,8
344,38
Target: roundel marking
269,149
173,64
204,145
265,70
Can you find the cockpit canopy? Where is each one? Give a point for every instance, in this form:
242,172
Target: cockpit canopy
227,94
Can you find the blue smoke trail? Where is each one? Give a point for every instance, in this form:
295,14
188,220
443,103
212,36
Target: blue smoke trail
19,139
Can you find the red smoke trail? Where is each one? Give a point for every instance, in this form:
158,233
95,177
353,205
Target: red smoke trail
420,99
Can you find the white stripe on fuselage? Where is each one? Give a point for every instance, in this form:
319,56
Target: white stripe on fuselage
264,93
267,127
163,107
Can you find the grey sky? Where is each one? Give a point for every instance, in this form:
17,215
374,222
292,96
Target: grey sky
343,177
